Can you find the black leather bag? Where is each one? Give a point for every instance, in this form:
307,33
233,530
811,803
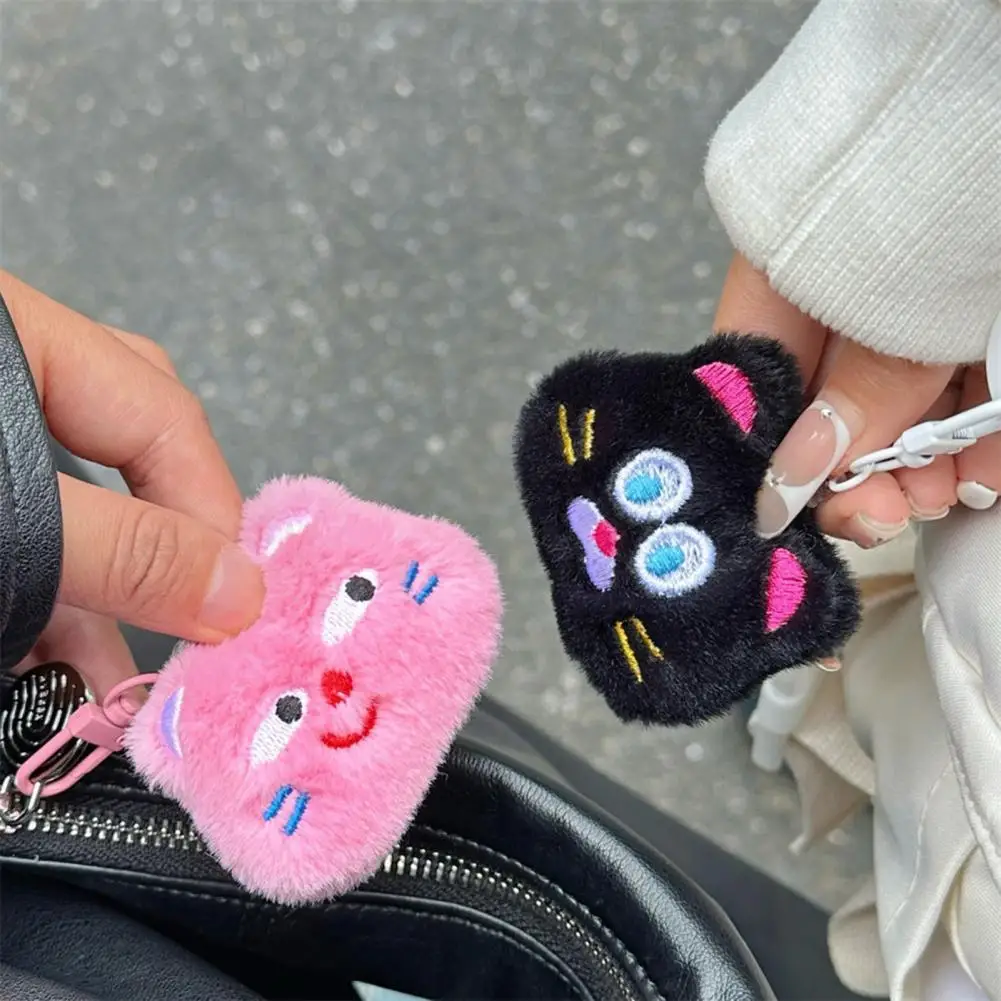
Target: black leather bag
31,529
512,883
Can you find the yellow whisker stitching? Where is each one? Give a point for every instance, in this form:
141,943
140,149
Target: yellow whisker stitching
645,636
568,452
627,652
588,433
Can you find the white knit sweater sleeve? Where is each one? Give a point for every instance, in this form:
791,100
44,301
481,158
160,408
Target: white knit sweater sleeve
863,173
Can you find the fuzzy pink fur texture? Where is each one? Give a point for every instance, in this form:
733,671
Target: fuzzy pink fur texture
302,747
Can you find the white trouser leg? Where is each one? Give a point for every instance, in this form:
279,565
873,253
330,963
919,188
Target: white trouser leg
943,977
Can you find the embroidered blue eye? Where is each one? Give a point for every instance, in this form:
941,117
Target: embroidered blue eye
674,559
653,485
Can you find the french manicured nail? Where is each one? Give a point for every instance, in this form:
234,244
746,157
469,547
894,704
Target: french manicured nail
803,462
235,595
920,513
975,495
869,533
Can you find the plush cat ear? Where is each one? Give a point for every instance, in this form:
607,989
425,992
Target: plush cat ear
808,595
753,381
732,390
810,604
284,509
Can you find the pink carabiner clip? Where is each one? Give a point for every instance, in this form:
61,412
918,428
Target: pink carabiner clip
103,726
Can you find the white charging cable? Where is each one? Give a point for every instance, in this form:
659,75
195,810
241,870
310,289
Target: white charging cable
919,445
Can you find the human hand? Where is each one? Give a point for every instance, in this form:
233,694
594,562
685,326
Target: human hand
863,401
163,559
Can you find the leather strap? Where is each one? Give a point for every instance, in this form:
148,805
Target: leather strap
31,534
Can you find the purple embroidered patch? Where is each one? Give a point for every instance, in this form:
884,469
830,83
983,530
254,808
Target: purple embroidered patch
598,539
168,722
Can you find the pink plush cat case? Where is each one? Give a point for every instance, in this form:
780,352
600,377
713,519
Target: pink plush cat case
302,747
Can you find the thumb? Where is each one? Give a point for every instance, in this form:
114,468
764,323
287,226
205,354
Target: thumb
154,568
866,401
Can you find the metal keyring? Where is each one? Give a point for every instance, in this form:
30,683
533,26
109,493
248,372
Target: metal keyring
12,818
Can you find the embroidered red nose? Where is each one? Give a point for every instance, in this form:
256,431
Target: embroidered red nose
605,538
337,686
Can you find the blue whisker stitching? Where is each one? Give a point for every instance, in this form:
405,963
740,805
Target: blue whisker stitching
425,592
297,811
408,581
276,804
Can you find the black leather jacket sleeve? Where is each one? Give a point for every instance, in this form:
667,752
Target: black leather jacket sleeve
31,538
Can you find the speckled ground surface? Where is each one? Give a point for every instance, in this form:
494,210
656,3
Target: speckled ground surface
364,229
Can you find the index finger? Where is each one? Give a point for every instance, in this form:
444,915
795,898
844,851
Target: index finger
866,402
105,402
749,305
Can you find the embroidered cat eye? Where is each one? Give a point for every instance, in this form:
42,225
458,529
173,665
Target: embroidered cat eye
674,559
653,486
348,606
278,727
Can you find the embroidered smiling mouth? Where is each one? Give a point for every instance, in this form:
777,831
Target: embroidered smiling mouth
598,538
338,741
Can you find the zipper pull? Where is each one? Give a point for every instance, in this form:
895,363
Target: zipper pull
44,773
91,724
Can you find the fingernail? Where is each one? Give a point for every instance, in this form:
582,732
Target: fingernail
803,462
975,495
235,593
919,513
869,533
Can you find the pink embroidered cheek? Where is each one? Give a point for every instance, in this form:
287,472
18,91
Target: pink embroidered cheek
732,391
785,590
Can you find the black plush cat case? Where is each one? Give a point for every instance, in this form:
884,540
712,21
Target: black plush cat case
639,475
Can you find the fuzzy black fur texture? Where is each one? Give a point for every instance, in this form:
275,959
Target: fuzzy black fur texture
686,657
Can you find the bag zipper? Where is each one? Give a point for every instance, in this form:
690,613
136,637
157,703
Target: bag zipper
63,820
414,863
521,900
